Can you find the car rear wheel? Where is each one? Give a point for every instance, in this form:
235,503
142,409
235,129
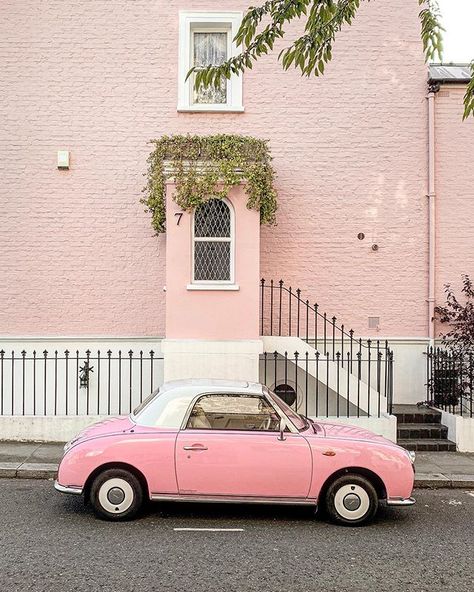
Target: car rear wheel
351,500
116,494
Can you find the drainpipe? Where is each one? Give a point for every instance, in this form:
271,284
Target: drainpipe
433,88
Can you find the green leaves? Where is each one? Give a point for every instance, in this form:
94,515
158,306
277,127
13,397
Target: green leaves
431,29
469,96
263,25
204,167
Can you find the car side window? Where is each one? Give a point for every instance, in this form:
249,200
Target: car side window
233,412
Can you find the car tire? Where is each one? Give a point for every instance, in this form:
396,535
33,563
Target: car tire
351,500
116,494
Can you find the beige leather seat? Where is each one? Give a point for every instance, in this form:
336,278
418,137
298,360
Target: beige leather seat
199,421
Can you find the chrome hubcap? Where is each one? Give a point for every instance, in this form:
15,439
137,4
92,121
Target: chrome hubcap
116,495
351,501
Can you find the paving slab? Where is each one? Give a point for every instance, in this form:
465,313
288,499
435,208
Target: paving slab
432,480
17,451
46,453
8,469
458,481
37,471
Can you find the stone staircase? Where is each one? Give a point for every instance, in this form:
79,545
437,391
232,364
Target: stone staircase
420,429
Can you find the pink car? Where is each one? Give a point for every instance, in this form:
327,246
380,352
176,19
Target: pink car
228,441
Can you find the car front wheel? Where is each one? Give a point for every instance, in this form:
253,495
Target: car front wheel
351,500
116,494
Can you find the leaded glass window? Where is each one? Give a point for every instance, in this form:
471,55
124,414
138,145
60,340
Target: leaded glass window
213,242
210,48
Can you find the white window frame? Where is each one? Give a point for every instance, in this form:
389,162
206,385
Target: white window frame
215,284
190,22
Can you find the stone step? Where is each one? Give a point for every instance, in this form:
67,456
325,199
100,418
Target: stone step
413,414
422,431
428,445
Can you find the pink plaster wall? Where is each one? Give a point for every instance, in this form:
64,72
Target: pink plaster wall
454,190
78,255
220,314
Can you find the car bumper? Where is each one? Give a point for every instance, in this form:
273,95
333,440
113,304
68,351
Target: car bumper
400,501
70,490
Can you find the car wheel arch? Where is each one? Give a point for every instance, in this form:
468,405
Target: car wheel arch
116,465
375,480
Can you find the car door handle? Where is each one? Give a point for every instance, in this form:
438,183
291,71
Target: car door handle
195,447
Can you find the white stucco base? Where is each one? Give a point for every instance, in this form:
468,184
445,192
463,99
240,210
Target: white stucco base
385,425
192,358
460,430
31,428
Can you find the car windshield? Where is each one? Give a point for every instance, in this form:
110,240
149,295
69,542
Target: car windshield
145,402
299,421
165,408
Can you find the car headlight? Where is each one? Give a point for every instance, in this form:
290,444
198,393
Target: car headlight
411,455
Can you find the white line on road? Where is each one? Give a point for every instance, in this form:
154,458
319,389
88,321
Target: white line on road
209,529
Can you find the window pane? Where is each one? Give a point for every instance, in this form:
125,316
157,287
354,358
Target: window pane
210,49
211,261
233,412
212,219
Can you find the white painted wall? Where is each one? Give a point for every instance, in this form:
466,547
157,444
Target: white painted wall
460,430
409,369
45,429
193,358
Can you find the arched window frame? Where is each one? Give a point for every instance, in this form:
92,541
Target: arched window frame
215,284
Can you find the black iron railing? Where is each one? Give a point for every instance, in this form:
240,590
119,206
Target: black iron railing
76,383
450,381
323,387
284,312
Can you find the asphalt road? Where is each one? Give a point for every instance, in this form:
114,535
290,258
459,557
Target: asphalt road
50,542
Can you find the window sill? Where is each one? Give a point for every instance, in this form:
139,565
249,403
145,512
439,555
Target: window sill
223,287
210,109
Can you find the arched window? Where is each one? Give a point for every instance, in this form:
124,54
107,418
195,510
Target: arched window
213,243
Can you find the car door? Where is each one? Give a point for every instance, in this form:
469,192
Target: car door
231,446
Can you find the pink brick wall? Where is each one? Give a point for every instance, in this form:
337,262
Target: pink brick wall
78,255
455,190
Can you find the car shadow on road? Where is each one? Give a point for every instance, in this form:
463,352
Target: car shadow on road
234,515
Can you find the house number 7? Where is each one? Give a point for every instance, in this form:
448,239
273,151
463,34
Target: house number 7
179,215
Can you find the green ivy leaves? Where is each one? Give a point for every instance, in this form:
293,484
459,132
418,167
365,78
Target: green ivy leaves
204,167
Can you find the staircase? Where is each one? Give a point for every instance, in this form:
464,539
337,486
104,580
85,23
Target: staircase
306,349
420,429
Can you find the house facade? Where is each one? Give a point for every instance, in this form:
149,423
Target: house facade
373,179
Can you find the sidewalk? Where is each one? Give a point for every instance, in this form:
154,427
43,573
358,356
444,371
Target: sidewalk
34,460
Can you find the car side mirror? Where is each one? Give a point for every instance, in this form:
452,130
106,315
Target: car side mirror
282,429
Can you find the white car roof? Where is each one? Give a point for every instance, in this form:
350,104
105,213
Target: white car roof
212,385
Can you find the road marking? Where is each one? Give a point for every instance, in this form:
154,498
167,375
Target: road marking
471,493
208,529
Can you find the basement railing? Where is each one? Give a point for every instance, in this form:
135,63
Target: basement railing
76,383
284,312
450,381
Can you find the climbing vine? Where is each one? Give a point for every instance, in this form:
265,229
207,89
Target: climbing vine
206,167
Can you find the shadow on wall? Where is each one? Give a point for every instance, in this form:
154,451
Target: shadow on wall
313,397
